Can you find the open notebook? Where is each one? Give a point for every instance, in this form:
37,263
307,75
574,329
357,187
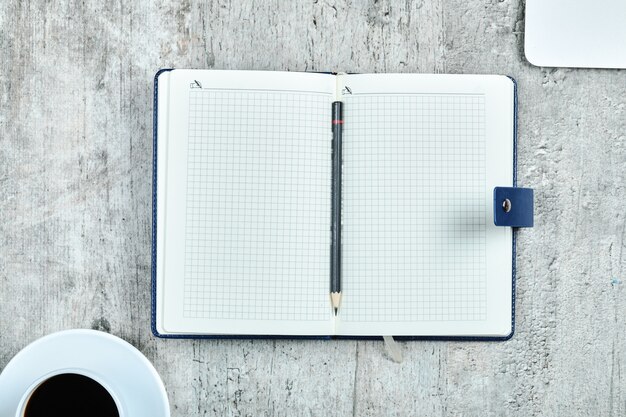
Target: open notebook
243,213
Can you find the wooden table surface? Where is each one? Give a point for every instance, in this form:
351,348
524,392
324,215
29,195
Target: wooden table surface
75,203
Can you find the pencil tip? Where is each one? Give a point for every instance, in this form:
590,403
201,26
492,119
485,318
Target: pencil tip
335,298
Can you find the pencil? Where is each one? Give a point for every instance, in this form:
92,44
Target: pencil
335,258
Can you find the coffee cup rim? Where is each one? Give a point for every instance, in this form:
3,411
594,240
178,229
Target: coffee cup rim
21,408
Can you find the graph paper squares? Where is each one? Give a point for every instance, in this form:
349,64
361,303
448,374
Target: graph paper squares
414,210
258,205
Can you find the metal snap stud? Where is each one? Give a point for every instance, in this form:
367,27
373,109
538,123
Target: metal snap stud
506,205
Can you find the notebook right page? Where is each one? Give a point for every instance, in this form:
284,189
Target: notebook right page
421,156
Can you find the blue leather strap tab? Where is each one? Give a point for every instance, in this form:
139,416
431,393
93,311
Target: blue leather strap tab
513,207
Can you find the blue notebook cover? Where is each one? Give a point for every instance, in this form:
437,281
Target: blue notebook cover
196,336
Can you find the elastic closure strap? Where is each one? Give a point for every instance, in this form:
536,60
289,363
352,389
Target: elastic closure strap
513,206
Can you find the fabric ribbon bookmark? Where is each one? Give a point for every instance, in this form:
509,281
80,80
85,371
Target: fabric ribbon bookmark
393,349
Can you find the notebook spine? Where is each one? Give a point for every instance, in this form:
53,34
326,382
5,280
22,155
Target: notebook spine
335,256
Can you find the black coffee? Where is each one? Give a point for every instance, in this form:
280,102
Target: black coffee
71,395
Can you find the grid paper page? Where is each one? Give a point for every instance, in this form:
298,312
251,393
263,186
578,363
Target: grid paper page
257,220
413,208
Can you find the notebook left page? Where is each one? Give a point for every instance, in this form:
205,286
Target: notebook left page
243,203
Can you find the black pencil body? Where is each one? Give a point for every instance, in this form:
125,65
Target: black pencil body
335,256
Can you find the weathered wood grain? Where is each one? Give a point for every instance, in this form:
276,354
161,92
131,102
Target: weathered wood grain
75,202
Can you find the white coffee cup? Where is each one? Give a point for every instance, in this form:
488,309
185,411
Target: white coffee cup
21,408
108,362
